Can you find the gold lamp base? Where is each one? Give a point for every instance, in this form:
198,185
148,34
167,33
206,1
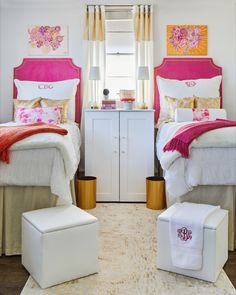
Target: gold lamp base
155,189
86,192
143,106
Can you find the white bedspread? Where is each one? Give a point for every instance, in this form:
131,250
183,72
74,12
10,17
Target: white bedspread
45,159
212,160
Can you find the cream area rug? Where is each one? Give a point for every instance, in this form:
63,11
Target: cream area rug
127,261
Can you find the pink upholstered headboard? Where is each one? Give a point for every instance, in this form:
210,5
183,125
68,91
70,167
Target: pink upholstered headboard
50,70
183,69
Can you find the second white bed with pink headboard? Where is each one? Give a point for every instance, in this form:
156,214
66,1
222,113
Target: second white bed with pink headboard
209,174
42,167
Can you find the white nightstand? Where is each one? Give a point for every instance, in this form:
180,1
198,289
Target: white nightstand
119,151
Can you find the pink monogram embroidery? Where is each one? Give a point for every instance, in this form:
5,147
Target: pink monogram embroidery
184,234
45,86
190,83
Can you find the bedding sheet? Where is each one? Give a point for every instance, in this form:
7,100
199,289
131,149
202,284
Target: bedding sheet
212,160
44,160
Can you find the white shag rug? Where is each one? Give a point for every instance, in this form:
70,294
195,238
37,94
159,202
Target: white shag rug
127,261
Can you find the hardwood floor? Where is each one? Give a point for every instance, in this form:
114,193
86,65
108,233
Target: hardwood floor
230,267
13,276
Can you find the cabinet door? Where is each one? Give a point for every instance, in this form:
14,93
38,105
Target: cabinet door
136,154
102,152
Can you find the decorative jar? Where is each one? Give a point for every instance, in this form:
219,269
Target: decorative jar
128,103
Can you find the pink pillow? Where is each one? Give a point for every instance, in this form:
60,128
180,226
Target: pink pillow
50,115
201,114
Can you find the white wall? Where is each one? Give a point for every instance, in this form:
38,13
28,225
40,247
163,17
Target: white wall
17,15
1,64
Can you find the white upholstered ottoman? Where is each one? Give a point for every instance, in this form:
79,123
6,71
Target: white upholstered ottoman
215,246
59,244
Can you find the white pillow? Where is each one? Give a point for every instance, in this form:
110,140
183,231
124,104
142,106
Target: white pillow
65,89
185,115
185,88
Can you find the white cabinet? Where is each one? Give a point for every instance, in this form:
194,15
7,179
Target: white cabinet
102,152
119,151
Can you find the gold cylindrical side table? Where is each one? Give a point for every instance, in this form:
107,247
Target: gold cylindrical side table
155,189
86,192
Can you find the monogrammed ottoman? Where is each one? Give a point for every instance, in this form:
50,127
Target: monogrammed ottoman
215,245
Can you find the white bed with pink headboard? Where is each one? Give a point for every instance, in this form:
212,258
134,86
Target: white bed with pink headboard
42,167
209,174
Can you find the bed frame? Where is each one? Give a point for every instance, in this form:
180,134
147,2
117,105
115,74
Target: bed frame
50,70
184,69
14,200
196,68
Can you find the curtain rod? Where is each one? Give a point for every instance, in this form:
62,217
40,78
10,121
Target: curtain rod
110,5
115,8
119,5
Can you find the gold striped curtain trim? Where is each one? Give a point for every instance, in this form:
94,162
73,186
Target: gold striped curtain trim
143,22
94,23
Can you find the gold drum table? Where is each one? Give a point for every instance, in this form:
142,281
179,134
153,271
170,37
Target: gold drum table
86,192
155,190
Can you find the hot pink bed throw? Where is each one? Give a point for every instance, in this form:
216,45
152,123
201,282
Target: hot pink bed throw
186,134
11,134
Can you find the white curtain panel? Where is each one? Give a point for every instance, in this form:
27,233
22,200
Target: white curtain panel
143,29
94,38
94,46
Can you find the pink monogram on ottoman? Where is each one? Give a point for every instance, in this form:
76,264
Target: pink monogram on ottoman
184,234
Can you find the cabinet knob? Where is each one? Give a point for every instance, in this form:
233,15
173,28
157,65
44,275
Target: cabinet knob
115,152
123,137
123,152
115,137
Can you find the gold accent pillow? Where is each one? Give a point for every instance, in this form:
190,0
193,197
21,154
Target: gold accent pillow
174,103
207,102
45,102
31,103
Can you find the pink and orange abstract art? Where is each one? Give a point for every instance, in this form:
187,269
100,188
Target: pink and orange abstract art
47,40
187,39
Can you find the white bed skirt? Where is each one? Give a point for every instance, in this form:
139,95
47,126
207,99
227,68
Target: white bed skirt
225,196
14,200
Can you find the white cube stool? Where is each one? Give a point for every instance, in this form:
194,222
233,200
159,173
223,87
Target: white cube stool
215,246
59,244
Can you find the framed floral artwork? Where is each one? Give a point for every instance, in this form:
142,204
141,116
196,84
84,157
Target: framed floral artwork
187,39
48,40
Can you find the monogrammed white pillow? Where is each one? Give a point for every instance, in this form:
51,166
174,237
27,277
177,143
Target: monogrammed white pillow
65,89
185,88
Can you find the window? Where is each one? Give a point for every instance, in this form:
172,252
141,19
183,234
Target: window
120,58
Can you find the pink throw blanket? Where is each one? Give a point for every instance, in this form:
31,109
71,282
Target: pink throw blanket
186,134
11,134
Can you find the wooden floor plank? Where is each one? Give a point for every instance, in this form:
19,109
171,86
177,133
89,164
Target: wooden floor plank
13,275
230,267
